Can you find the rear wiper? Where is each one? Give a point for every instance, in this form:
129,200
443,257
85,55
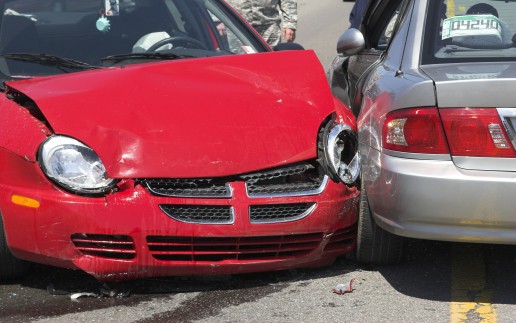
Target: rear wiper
119,58
50,60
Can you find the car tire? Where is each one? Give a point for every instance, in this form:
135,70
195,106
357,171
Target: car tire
10,267
375,246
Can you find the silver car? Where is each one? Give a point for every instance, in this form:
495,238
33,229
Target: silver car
433,84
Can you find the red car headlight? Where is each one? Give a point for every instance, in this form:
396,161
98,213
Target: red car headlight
341,148
74,166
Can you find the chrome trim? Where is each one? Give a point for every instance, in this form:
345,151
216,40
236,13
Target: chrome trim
231,217
291,194
486,163
296,218
329,145
229,190
508,117
402,154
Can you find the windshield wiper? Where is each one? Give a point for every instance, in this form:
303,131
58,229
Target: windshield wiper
119,58
50,60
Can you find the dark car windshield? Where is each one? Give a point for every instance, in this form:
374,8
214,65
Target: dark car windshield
469,31
44,37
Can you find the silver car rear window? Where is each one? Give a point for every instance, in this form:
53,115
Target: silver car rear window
469,30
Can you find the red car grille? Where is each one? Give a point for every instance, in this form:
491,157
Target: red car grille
291,180
297,179
232,248
211,214
341,239
199,213
105,246
193,187
279,212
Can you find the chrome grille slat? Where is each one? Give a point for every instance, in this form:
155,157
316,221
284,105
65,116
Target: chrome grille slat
293,180
279,172
188,187
276,213
200,214
288,190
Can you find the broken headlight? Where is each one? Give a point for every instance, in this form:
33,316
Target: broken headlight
74,166
341,150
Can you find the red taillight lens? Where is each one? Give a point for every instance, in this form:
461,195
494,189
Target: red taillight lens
414,130
476,132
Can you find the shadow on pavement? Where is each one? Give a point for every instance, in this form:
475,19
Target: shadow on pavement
46,291
454,272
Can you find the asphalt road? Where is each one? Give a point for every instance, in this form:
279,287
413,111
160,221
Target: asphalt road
437,282
320,24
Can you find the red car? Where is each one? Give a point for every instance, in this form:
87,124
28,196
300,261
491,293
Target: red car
151,138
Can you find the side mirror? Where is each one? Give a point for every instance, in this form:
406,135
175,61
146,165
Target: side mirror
288,46
350,42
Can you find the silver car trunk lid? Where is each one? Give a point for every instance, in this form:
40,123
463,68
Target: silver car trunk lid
479,85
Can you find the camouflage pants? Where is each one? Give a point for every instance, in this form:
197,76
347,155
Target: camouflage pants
271,33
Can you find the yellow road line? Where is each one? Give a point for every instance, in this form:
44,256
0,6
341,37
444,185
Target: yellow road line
471,300
450,8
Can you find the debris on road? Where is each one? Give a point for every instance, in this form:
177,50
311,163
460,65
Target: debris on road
344,288
107,291
104,291
75,296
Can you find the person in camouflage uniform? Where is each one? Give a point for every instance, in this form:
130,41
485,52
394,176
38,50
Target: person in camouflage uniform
275,20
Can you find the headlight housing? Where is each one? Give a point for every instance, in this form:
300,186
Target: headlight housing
342,155
74,166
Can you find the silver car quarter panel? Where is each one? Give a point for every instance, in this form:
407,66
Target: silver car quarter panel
434,199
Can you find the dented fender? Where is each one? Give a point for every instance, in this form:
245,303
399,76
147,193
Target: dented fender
344,114
20,132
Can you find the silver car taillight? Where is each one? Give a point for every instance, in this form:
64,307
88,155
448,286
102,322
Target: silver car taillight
474,132
414,130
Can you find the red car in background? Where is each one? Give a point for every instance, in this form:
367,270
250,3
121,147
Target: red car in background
151,138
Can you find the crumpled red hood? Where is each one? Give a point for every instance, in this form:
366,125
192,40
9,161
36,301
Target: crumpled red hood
213,116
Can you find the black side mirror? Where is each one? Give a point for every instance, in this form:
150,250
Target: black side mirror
288,46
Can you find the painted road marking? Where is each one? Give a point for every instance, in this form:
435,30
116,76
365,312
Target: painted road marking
471,299
450,8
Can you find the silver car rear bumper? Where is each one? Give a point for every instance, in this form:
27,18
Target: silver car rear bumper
434,199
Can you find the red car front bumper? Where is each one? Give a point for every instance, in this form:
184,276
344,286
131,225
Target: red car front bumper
126,235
